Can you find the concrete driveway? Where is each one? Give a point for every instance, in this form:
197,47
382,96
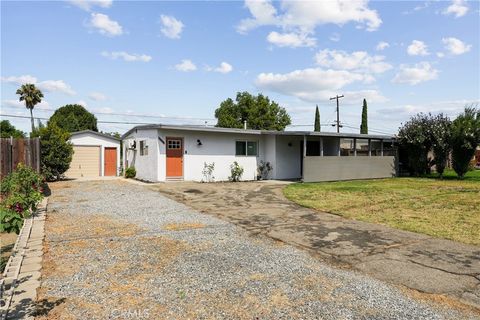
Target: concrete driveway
115,250
434,266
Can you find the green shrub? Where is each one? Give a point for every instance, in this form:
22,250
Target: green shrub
130,173
56,151
22,190
465,135
10,221
236,172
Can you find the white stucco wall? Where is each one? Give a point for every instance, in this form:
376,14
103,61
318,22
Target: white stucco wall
216,147
147,166
288,158
269,154
91,139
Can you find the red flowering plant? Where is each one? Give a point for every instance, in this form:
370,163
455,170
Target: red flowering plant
21,193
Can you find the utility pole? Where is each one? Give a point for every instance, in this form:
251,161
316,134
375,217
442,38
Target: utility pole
338,113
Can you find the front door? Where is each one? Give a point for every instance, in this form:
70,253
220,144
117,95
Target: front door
174,157
110,166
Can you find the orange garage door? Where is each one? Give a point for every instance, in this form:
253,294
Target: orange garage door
85,162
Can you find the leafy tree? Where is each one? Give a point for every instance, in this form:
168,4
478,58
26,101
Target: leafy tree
7,130
259,112
317,127
56,151
74,117
440,130
415,138
32,96
364,125
465,136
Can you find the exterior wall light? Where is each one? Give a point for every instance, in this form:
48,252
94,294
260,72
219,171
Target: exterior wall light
199,143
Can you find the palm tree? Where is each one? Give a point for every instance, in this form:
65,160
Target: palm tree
32,96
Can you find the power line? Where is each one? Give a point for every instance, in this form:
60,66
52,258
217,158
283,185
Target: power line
125,114
147,123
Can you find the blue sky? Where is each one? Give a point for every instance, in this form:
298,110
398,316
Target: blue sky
175,62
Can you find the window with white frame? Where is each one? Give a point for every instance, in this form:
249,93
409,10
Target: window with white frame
246,148
143,148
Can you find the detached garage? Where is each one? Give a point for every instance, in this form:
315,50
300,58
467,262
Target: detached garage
94,155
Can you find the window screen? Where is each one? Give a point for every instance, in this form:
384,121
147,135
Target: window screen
251,148
246,148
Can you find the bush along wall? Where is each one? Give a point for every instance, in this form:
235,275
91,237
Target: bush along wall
21,192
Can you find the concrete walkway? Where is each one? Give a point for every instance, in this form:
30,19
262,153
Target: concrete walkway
420,262
26,265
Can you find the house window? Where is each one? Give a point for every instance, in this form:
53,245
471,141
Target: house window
388,148
246,148
143,148
361,146
174,144
346,147
376,146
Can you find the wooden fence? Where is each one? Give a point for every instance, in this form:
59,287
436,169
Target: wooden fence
15,151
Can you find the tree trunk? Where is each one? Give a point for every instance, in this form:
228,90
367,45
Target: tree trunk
31,119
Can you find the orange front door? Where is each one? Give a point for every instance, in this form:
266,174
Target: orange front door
110,165
174,157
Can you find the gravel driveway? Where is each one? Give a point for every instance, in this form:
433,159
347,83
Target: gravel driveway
122,251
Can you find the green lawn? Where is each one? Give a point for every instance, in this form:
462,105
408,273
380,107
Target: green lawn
448,208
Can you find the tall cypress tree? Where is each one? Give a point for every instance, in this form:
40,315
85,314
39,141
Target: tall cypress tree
364,125
317,120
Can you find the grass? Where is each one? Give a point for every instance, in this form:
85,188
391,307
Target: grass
448,208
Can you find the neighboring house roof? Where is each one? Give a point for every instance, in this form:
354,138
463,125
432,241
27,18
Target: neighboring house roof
104,135
254,132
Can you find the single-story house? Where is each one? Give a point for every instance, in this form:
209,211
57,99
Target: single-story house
166,152
95,154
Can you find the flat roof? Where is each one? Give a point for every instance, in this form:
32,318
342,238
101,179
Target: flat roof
255,132
104,135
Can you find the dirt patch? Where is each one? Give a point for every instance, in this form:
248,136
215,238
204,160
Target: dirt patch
7,241
183,226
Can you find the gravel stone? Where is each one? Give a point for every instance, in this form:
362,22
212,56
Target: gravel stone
217,270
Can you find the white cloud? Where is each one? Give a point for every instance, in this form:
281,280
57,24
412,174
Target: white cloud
455,46
306,15
417,48
291,39
88,4
357,60
310,84
450,107
416,74
19,104
130,57
440,54
458,8
335,37
224,67
56,86
105,25
172,28
46,86
20,79
97,96
382,45
263,13
186,66
82,103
